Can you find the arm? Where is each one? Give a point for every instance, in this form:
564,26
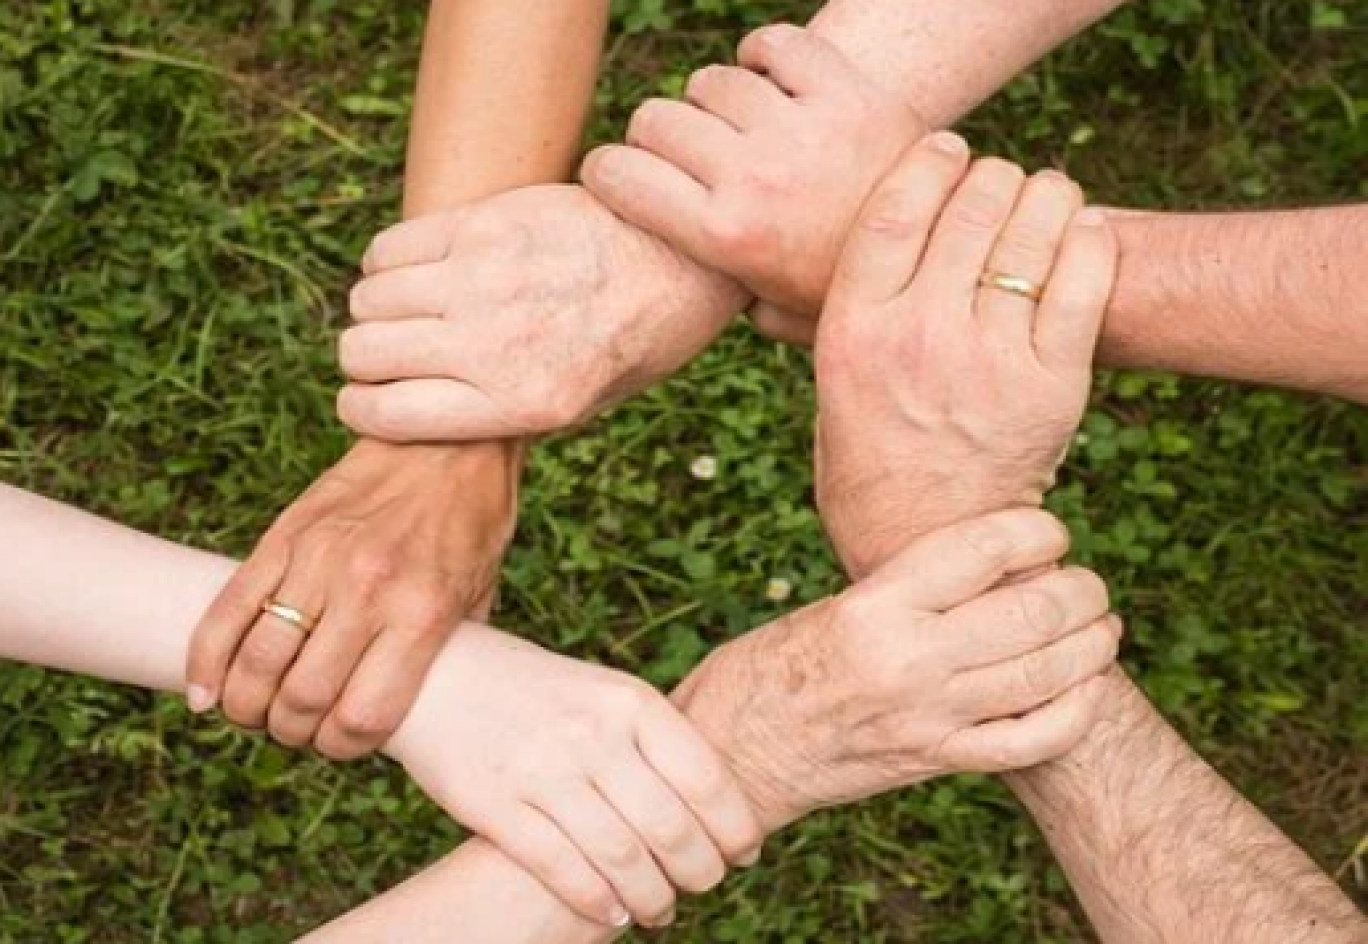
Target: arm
1160,848
503,90
395,546
1263,297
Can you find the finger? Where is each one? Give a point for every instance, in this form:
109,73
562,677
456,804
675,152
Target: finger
1027,250
424,411
382,688
679,843
530,838
271,646
692,140
958,564
884,249
1075,302
416,242
316,680
617,852
784,326
652,194
799,61
417,291
698,776
229,618
969,228
381,352
1024,684
1019,619
737,96
1043,735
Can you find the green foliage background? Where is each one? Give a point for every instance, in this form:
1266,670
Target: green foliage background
185,186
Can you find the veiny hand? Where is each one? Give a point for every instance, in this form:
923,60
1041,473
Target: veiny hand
920,670
524,314
761,173
939,399
586,776
389,550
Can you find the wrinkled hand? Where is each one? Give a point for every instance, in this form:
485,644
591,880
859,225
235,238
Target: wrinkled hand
762,171
524,314
388,550
920,670
940,399
586,776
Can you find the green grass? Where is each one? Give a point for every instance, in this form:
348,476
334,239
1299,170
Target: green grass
184,188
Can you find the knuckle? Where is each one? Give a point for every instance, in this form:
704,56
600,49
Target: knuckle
978,209
424,607
307,697
366,719
622,851
735,233
264,654
671,834
1038,676
1041,614
893,212
1026,245
772,178
371,566
988,541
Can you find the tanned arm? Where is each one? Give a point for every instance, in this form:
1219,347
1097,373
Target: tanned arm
1262,297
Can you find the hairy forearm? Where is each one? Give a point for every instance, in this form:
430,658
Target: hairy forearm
503,90
946,58
1261,297
1161,850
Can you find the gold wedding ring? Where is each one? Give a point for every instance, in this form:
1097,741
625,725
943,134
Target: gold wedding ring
295,617
1013,285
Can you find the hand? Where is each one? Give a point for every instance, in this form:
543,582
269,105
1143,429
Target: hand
586,776
761,173
524,314
389,549
919,671
940,399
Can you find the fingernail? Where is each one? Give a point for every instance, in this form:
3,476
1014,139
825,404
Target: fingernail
947,142
199,698
603,167
665,920
749,860
1092,217
619,918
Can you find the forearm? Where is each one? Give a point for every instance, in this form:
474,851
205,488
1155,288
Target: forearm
1161,850
503,90
1261,297
473,896
946,58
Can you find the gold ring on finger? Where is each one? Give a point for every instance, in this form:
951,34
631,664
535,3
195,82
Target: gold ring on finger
295,617
1013,285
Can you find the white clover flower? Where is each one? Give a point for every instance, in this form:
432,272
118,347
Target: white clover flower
704,468
778,590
